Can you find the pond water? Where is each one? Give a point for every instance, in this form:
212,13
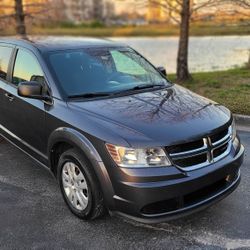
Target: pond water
211,53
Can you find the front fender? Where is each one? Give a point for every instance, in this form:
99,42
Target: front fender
78,140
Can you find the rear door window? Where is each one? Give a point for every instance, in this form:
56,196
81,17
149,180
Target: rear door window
5,55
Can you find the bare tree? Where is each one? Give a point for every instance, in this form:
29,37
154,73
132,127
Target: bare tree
243,7
181,12
20,12
20,18
17,12
241,3
182,58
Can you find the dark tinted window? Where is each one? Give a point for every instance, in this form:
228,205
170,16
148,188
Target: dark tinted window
102,70
27,68
5,54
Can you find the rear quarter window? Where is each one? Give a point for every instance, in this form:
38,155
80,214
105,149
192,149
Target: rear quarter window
5,54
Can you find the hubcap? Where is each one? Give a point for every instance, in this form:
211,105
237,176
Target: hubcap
75,186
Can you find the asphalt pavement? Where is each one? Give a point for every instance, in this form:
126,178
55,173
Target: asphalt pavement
34,216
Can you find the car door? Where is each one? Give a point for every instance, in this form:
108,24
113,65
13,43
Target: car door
5,56
24,118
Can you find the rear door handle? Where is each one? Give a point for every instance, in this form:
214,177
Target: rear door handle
10,97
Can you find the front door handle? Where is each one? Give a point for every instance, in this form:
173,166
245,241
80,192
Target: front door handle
10,97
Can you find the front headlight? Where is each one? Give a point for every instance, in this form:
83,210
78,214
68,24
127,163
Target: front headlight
138,158
233,129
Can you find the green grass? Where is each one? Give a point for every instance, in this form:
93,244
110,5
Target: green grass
230,88
99,30
109,31
149,30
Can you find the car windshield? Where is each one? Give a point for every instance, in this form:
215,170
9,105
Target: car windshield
103,71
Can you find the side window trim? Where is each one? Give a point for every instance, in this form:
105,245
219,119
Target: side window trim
12,67
14,63
7,80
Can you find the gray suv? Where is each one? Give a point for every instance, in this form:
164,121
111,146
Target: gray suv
114,131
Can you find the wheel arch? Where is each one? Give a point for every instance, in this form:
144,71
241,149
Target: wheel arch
71,138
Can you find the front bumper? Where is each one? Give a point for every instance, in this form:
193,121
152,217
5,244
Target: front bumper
141,196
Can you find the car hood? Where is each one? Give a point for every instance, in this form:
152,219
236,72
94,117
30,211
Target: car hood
160,117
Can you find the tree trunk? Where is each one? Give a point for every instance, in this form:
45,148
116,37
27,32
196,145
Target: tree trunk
182,60
20,19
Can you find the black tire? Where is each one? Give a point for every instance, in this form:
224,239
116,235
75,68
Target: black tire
95,207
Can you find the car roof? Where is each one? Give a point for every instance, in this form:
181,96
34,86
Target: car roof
53,43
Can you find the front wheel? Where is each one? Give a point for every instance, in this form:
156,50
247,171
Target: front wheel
79,185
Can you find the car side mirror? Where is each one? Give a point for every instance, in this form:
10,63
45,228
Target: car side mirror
33,90
162,70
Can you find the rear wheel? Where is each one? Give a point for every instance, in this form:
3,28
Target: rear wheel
79,185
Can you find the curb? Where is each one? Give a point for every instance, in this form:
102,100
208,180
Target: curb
242,120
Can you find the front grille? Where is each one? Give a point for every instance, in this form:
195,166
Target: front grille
218,136
201,152
191,161
185,147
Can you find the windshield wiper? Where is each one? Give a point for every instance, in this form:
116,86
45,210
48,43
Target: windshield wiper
89,95
142,86
146,86
103,94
